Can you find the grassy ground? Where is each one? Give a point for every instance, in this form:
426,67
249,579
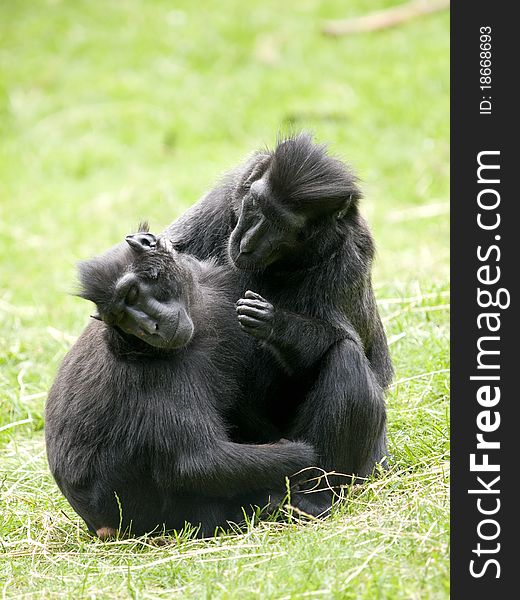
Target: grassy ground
115,111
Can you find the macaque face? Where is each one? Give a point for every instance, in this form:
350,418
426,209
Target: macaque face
266,232
143,290
142,309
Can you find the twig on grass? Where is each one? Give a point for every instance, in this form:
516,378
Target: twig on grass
383,19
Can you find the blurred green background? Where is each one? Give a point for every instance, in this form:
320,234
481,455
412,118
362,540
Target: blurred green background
116,111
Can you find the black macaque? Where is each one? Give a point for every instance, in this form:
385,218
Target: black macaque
289,221
135,433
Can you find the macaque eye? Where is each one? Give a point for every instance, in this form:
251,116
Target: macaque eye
132,295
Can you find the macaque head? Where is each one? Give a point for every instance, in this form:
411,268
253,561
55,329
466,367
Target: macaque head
143,288
283,199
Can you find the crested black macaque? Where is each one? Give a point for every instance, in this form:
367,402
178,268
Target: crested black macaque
289,221
135,436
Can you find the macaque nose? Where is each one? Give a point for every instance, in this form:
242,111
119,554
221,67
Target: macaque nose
149,325
250,239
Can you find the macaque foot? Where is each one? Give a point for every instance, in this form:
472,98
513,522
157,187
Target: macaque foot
312,504
106,533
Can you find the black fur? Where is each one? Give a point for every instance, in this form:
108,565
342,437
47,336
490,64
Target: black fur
289,220
135,433
302,175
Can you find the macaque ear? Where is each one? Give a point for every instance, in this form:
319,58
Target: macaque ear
343,208
142,241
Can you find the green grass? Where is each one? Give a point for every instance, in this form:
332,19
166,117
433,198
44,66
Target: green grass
115,111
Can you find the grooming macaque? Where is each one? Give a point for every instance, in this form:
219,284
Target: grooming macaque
289,221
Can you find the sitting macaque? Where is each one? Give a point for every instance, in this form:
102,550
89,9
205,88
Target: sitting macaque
135,421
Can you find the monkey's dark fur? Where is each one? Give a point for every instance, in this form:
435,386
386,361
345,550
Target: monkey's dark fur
134,421
289,221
